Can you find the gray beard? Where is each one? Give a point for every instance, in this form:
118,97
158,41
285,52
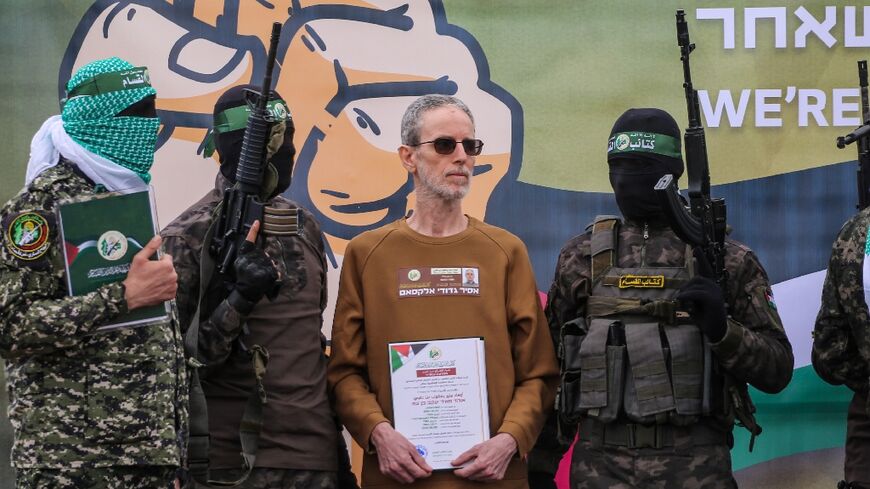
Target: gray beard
429,188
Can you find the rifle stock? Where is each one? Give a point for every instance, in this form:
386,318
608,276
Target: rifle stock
685,225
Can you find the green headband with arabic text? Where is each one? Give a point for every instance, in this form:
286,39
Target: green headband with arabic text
236,118
115,81
644,142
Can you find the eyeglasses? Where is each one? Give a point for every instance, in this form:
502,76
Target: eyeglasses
446,146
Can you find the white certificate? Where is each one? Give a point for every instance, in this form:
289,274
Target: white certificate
440,401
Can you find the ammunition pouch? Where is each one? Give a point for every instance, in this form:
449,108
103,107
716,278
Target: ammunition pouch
572,334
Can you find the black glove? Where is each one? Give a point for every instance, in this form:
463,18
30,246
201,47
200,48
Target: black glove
704,299
346,477
255,277
541,480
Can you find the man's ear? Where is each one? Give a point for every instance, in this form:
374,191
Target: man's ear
408,157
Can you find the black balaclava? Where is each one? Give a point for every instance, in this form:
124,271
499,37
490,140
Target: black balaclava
229,144
644,145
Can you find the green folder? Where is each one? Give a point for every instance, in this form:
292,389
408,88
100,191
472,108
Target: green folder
100,237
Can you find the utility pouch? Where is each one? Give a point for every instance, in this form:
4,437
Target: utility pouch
569,398
687,367
572,339
615,380
593,365
648,389
572,336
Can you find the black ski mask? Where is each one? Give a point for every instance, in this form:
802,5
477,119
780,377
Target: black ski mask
228,136
644,145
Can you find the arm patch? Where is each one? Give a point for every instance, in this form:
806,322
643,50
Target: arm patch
27,236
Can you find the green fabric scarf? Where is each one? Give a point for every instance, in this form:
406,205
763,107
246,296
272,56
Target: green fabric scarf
89,114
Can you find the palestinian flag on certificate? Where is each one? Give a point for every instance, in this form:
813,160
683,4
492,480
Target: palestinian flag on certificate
402,352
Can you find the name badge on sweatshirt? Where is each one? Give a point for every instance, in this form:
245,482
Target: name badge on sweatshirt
437,281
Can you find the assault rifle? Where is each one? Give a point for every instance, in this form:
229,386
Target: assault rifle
241,203
703,224
862,135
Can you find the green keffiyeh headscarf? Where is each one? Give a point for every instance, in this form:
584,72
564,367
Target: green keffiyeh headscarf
95,94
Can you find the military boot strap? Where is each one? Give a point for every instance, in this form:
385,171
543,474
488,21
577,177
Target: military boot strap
635,435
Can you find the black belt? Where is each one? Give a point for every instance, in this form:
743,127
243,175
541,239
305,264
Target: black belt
635,435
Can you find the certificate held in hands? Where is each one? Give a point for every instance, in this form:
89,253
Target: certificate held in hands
440,401
100,237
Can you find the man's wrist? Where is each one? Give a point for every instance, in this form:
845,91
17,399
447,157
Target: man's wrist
509,439
378,431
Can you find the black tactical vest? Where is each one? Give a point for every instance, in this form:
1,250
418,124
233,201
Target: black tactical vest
635,355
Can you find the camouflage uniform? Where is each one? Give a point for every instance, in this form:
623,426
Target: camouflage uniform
90,403
107,478
280,479
298,441
754,349
841,339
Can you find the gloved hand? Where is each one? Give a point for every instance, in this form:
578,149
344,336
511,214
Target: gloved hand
255,274
704,298
541,480
346,477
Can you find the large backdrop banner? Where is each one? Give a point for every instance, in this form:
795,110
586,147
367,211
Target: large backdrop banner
777,82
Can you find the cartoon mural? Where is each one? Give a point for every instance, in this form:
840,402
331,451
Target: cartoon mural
348,71
545,83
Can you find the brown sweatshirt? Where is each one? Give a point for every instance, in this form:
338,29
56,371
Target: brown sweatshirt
371,312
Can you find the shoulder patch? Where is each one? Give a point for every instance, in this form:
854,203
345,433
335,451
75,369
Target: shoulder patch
26,235
768,294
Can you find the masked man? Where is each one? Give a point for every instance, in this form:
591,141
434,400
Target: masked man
632,310
238,325
89,409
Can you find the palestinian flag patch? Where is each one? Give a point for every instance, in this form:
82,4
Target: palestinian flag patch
26,235
768,294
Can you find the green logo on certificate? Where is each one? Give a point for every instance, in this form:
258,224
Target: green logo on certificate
112,245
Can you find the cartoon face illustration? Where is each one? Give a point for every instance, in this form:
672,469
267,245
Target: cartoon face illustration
348,70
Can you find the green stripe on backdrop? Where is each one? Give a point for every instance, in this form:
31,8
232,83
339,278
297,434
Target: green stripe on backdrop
808,415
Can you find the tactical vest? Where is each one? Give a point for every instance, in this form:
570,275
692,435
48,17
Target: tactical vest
635,353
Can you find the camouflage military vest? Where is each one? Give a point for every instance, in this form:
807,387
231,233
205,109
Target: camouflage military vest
639,355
